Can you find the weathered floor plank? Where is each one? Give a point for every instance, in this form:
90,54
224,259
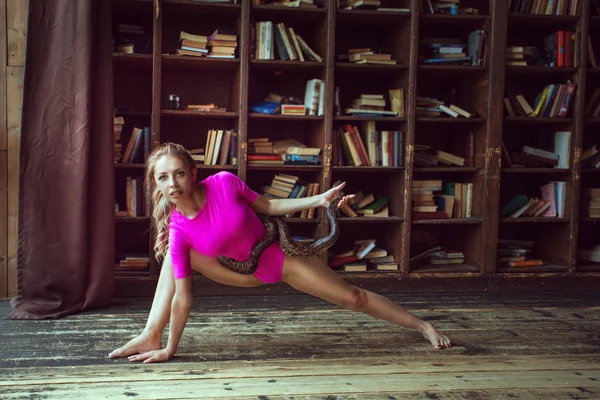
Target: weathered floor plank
299,385
295,347
122,371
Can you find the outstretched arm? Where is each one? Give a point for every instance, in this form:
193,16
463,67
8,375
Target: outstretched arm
160,313
269,206
180,311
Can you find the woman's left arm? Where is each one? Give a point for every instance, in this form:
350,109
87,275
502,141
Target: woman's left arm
269,206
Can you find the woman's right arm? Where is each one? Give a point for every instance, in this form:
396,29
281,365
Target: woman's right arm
180,311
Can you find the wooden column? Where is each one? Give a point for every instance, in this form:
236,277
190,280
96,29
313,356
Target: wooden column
15,14
493,164
3,159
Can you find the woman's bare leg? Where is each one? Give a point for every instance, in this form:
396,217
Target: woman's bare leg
213,270
314,277
160,312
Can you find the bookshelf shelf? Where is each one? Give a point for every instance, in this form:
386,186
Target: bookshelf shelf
526,170
548,268
540,20
142,83
589,220
217,167
280,65
287,168
129,166
199,63
450,120
525,220
348,118
447,169
205,6
372,169
280,117
369,274
299,13
137,274
370,220
451,69
199,114
443,269
448,221
452,19
133,113
383,68
539,70
589,268
537,120
371,17
132,219
594,71
132,60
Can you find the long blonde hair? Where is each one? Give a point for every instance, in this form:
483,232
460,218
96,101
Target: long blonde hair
162,208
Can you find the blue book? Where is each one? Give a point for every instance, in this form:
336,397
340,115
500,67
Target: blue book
265,107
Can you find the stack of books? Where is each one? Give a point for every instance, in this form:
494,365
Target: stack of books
590,158
450,7
590,254
220,147
515,253
550,203
366,55
433,107
435,199
275,37
192,45
364,255
535,157
222,44
590,202
426,156
367,205
295,3
553,101
521,55
118,128
453,51
436,255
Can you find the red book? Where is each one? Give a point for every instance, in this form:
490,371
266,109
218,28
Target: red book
276,157
338,262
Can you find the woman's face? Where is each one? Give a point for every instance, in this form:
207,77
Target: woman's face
173,179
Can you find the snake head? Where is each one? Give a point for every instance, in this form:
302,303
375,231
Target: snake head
340,193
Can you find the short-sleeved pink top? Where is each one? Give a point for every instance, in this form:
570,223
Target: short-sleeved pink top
225,226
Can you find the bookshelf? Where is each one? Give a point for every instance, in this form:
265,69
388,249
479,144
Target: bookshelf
144,81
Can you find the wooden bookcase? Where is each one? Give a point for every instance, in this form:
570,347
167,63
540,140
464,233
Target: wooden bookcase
143,83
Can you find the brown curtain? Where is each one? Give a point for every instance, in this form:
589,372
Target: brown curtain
66,235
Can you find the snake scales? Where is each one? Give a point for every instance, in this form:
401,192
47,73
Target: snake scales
278,230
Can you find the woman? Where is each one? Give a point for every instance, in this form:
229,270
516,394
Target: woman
195,223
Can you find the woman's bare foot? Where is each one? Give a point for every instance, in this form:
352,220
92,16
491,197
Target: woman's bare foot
144,342
438,340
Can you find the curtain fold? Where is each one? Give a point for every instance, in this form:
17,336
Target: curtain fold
66,191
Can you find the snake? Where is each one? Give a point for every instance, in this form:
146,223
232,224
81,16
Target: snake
278,230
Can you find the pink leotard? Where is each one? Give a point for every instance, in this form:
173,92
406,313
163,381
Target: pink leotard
225,226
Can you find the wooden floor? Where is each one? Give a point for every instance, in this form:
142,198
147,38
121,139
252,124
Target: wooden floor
506,346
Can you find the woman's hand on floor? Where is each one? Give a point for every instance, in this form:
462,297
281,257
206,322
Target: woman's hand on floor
143,343
147,357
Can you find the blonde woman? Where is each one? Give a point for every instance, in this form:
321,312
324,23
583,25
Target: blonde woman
197,222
